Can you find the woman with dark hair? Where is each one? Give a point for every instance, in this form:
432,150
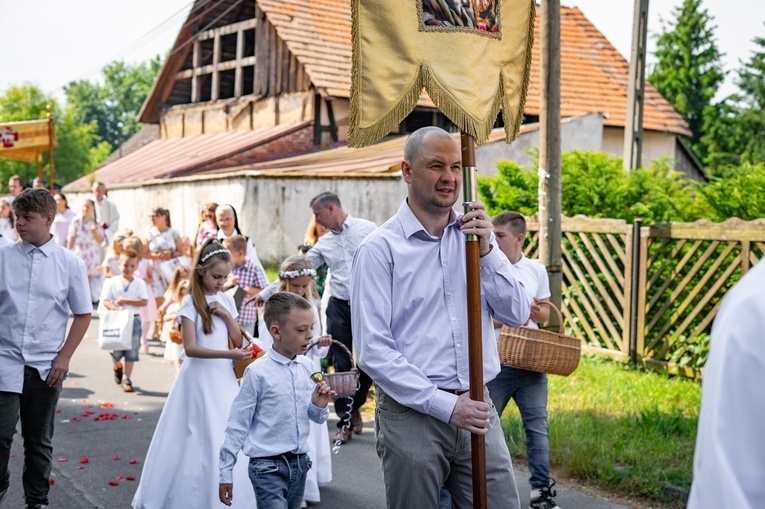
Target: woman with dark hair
85,238
7,220
64,217
207,225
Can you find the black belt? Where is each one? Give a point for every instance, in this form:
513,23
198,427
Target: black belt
453,391
346,302
285,456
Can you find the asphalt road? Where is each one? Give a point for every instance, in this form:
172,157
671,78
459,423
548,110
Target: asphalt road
102,435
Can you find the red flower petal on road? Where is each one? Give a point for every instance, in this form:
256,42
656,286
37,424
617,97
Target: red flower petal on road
74,419
130,478
117,458
51,481
127,416
106,404
84,460
62,460
113,483
133,462
80,467
58,411
75,383
120,477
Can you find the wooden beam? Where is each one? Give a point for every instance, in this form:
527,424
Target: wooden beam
215,92
196,89
209,68
238,71
227,29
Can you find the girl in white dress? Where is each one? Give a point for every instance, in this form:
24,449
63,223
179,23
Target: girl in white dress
297,276
181,466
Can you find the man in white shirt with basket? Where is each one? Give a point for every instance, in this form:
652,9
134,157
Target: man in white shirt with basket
527,388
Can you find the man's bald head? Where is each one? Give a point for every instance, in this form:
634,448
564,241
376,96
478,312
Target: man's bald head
417,138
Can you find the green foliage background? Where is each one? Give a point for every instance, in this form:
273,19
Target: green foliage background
594,184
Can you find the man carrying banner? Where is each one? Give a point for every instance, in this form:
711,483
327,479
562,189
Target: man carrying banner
408,288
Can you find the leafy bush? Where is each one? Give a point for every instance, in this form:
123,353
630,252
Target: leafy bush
594,184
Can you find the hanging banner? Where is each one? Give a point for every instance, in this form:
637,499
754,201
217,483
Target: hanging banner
23,141
471,56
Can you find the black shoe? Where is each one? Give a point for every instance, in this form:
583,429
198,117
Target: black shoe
542,498
128,385
37,506
118,374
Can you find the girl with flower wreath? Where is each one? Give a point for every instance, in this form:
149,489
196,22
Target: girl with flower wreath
297,276
181,466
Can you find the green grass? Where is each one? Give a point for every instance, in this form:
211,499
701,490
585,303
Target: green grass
272,273
630,432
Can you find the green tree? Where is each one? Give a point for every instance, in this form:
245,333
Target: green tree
689,71
114,105
78,150
751,81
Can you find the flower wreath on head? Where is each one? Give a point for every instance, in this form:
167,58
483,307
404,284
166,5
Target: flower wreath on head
291,274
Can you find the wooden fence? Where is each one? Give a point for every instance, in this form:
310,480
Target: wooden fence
682,272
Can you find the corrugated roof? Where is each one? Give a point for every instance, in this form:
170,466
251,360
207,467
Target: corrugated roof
179,156
145,135
593,73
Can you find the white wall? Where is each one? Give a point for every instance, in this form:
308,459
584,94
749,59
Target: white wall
583,133
273,212
655,144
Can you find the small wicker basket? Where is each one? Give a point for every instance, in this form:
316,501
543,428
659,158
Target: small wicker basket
175,336
540,350
240,366
345,383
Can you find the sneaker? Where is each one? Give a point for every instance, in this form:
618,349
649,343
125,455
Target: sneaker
127,385
543,498
118,374
37,506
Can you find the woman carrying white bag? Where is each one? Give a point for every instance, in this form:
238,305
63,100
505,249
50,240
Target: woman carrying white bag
122,295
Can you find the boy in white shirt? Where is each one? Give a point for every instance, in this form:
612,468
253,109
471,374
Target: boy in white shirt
126,292
40,282
527,388
277,393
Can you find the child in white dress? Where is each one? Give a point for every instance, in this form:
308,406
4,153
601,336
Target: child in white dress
297,276
181,466
170,325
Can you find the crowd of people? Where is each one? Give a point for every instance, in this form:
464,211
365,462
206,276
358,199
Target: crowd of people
392,295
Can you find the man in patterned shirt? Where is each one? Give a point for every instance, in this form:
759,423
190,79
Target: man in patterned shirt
249,277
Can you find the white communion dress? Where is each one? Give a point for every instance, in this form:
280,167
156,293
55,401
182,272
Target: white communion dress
181,466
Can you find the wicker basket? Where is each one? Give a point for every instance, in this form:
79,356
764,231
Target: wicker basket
346,383
175,336
539,350
240,366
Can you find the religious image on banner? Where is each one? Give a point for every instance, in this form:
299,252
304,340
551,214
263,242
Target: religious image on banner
463,15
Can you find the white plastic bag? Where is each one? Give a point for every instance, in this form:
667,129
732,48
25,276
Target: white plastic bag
115,329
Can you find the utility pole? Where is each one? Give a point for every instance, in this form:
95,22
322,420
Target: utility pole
549,149
633,127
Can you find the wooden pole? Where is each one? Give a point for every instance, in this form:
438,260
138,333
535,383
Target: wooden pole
475,334
633,127
51,133
39,167
549,149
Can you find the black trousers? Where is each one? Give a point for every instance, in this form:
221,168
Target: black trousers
339,326
36,406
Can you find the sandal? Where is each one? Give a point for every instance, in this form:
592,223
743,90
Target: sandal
127,386
118,374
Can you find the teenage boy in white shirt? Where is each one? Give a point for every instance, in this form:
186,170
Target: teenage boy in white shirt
41,283
277,394
126,292
527,388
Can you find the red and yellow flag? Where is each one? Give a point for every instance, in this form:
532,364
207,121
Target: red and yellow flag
24,141
471,56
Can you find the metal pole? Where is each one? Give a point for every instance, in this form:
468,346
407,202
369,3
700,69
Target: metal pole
549,149
475,336
51,133
635,291
633,127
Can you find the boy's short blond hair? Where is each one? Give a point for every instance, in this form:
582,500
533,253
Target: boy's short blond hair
235,243
129,254
279,306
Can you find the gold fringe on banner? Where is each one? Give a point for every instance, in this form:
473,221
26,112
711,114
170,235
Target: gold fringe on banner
373,115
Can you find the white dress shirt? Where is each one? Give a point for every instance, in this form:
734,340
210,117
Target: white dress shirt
336,250
270,414
729,464
409,312
38,287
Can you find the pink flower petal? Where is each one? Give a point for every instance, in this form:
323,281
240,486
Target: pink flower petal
117,458
62,460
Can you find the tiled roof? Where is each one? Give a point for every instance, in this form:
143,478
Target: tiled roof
179,156
593,73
